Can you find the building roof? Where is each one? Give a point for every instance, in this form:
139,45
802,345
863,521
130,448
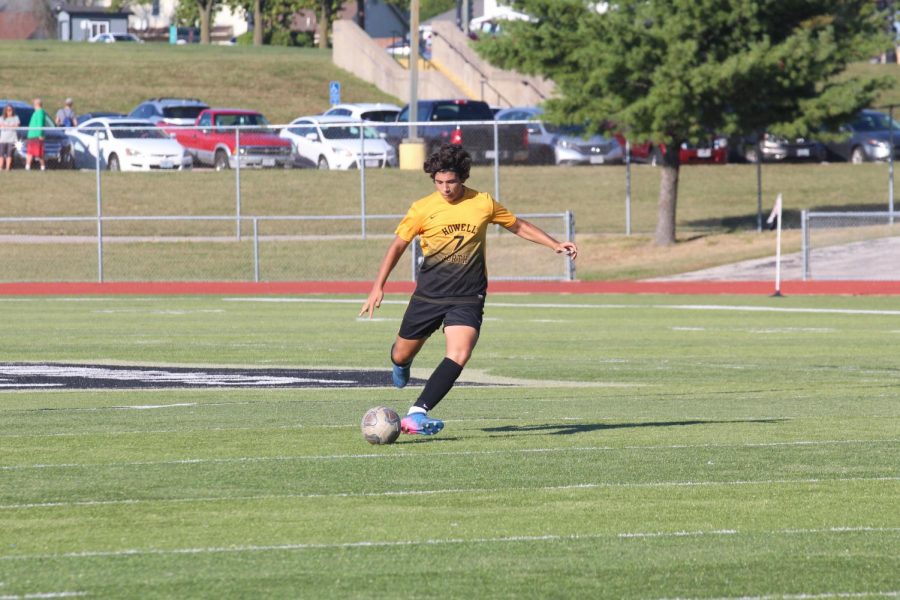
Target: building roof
94,11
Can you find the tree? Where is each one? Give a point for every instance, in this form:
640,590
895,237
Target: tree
676,71
272,19
187,12
206,10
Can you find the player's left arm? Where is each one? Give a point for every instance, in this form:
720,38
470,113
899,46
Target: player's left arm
533,233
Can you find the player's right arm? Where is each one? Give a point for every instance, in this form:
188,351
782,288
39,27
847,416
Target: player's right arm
393,254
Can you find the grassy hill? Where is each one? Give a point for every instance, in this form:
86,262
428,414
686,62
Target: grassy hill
282,83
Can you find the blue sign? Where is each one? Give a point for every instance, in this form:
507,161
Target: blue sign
334,92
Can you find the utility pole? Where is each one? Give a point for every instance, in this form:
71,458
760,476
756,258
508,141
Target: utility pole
412,149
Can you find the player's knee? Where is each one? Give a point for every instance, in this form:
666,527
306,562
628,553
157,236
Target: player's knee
460,357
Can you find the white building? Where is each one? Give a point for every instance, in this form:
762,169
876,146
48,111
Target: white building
159,14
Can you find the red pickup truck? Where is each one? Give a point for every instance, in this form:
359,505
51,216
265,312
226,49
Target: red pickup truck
212,140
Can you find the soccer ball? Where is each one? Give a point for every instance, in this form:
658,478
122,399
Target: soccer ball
381,425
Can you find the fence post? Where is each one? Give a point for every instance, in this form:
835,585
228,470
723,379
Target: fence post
627,187
891,167
759,213
99,216
416,251
255,249
362,178
570,237
496,162
804,237
237,171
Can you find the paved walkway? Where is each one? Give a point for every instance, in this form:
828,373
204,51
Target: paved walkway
875,260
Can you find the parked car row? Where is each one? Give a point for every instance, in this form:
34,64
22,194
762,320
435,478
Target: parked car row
178,133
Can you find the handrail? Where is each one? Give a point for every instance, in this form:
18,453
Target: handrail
484,78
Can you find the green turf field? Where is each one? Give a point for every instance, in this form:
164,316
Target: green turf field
640,447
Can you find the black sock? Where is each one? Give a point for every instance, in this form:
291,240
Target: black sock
439,384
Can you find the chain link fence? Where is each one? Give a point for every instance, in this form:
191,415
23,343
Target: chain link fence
258,238
252,205
837,244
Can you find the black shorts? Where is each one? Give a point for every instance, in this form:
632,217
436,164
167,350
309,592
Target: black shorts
424,315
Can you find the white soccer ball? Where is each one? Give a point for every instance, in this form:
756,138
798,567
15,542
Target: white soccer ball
381,425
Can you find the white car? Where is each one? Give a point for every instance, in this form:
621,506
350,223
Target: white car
365,111
126,145
335,143
111,38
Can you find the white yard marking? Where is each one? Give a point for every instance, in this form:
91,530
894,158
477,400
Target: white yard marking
818,596
766,330
45,595
447,491
402,454
437,542
154,406
29,385
562,305
158,312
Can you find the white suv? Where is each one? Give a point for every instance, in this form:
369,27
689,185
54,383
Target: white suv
365,111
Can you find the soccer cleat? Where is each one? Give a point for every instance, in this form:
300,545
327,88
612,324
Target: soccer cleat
400,375
420,424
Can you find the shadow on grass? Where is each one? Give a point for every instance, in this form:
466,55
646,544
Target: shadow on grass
790,219
572,428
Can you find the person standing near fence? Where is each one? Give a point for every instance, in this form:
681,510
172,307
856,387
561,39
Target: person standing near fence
65,117
9,122
35,138
452,224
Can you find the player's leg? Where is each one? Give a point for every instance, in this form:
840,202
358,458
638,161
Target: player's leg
420,320
461,340
403,351
462,325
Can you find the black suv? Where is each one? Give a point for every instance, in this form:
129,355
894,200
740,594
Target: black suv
169,111
468,123
57,147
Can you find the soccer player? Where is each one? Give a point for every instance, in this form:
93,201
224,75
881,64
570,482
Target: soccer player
452,224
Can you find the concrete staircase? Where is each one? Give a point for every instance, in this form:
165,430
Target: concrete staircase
454,71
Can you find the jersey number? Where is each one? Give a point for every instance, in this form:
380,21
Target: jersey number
459,241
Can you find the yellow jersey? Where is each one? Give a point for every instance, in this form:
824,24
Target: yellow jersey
453,237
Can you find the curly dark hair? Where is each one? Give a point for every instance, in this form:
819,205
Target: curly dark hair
449,157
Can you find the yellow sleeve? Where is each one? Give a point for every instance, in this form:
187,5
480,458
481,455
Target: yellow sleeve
501,216
411,225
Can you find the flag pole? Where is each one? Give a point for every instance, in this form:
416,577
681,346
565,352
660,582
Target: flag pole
776,217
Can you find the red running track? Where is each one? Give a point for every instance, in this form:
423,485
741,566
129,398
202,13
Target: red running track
361,288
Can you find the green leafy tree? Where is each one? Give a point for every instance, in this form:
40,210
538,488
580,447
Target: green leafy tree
272,19
192,13
427,8
675,71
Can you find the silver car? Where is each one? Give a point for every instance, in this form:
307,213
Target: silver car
867,138
563,145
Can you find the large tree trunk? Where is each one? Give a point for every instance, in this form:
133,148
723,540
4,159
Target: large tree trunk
324,22
257,23
668,196
205,9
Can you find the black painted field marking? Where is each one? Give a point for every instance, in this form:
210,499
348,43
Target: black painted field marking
53,376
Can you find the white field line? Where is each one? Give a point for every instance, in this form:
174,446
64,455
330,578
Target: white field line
44,595
448,491
439,542
161,431
561,305
406,455
818,596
